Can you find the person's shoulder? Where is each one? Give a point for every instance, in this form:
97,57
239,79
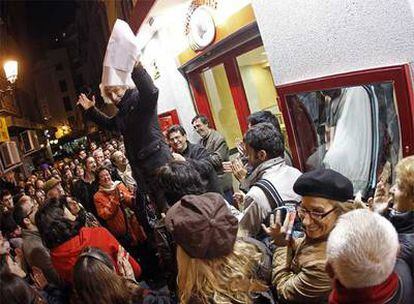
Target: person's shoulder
284,168
196,147
95,232
217,134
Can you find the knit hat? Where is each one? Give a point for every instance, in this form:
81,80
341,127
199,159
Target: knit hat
50,184
202,225
324,183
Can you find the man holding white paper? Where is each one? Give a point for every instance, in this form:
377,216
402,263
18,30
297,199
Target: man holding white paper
127,85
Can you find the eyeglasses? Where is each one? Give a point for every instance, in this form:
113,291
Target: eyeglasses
317,216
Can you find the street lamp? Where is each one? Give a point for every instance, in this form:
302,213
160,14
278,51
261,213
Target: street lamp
11,70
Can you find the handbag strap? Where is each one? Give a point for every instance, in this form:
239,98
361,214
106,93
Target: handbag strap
273,196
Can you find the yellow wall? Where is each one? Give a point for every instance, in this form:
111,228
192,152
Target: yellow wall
231,25
222,106
259,87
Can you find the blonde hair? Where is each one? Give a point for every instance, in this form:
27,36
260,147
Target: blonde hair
229,279
405,175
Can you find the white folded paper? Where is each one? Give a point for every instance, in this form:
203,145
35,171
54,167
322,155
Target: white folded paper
121,54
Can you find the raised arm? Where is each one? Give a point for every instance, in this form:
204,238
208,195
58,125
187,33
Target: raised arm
92,113
146,88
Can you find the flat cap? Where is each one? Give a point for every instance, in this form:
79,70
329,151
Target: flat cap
324,183
50,184
203,225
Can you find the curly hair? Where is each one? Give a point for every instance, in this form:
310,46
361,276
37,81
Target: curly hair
230,279
405,175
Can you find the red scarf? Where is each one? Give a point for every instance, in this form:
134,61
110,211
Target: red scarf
378,294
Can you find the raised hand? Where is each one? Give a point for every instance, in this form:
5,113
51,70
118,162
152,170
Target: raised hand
238,169
124,266
85,102
382,199
39,278
276,230
178,157
14,267
238,199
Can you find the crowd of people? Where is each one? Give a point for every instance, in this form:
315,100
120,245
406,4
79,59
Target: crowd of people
70,232
153,218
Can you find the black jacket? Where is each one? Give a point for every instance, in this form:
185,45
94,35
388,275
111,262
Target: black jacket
137,121
404,224
84,193
199,157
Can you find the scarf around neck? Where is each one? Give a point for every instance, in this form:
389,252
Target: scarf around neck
110,188
378,294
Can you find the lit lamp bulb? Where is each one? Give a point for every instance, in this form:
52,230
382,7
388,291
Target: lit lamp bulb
11,70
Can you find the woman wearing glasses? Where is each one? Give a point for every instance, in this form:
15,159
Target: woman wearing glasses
299,264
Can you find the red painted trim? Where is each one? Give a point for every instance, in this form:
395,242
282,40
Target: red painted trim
139,12
235,82
401,77
231,55
237,91
200,95
173,114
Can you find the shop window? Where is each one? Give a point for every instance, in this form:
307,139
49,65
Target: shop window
221,104
67,104
258,83
257,80
63,86
353,130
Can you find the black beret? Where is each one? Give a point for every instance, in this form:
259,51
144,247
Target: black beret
324,183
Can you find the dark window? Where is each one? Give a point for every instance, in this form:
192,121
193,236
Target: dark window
67,103
59,67
63,86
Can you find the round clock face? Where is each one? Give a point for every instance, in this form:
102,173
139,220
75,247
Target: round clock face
202,29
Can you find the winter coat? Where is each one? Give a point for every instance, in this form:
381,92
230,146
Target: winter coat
65,255
109,208
84,193
36,254
300,276
137,121
216,146
404,224
257,205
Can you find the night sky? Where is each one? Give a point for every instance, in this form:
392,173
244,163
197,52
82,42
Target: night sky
47,20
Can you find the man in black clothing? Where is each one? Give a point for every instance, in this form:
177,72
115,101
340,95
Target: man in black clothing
146,149
137,121
194,153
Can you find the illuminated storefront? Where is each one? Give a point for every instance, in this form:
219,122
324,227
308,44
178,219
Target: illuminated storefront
228,71
339,78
